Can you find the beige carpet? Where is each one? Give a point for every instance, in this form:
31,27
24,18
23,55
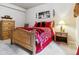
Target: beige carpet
52,49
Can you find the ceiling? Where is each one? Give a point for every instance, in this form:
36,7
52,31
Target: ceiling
27,5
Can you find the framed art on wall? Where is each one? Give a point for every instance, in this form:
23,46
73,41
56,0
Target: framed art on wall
43,15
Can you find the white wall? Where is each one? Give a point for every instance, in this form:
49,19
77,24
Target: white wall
17,13
64,11
77,30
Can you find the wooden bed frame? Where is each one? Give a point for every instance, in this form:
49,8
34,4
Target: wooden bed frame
24,38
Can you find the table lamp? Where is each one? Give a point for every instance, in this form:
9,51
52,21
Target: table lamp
62,24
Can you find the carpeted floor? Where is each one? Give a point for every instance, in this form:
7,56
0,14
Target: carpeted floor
52,49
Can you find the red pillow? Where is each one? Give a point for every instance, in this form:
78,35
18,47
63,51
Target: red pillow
35,25
40,24
48,24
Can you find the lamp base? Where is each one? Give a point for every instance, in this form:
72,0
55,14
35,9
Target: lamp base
61,29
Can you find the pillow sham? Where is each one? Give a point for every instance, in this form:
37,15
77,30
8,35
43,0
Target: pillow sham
35,25
43,24
38,24
48,24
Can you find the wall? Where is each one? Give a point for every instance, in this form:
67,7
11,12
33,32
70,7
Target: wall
64,11
17,13
77,29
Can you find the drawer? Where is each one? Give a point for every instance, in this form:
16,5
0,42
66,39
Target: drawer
61,39
7,28
5,37
5,33
7,23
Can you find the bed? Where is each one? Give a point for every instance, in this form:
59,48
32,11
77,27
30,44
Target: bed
34,38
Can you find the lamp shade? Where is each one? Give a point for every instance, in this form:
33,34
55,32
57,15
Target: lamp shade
62,22
62,25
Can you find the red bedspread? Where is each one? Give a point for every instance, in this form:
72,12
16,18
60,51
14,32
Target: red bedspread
43,37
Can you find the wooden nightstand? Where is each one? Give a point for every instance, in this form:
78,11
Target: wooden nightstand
61,37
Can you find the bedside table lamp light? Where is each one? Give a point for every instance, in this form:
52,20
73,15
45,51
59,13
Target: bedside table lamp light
62,24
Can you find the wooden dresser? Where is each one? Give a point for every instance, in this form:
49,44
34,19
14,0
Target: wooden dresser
6,27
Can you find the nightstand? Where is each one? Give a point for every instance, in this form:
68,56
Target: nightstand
61,37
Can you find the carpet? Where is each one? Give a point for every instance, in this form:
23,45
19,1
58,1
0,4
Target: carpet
52,49
7,49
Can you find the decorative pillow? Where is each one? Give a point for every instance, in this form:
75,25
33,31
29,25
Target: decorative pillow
35,25
38,24
43,24
48,24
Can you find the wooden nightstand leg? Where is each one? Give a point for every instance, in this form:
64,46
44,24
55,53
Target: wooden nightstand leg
54,37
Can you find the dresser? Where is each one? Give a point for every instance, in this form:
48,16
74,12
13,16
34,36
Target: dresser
6,27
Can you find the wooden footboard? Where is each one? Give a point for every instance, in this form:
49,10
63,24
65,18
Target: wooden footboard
24,38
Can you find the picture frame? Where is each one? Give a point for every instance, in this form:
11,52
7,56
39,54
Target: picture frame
43,15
